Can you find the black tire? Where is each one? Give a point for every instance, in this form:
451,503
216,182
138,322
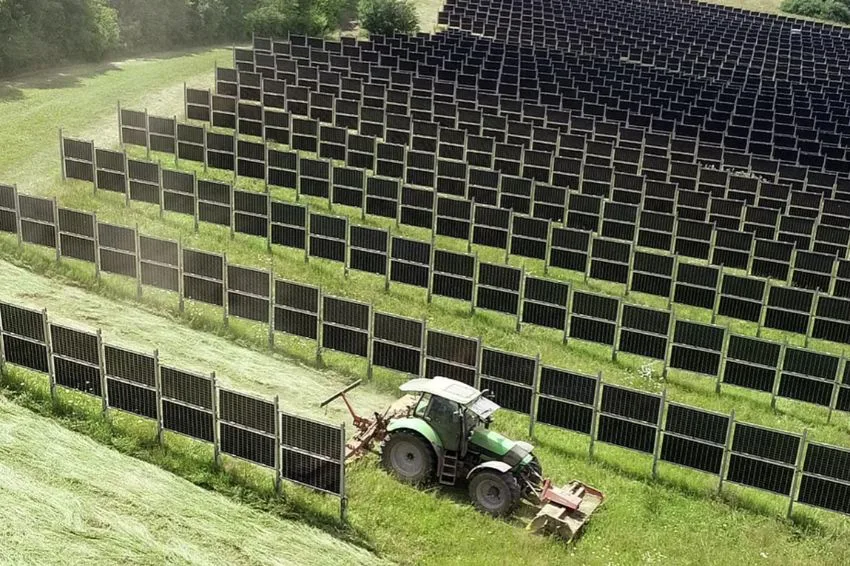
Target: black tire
494,493
407,456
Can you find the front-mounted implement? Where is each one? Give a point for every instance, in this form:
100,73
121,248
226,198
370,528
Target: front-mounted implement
564,511
440,431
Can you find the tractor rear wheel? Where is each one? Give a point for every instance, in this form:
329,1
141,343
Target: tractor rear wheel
494,493
407,456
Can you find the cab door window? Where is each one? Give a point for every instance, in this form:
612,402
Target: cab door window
422,405
444,417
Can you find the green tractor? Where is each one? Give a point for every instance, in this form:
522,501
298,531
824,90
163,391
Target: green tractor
441,432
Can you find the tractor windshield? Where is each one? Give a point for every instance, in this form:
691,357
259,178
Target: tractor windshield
483,408
471,421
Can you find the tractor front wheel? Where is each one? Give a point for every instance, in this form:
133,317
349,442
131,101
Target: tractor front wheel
494,493
407,456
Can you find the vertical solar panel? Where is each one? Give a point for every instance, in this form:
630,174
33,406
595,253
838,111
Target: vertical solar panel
247,427
311,453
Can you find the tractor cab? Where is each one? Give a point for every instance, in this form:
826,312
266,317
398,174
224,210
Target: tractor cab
445,435
459,417
454,410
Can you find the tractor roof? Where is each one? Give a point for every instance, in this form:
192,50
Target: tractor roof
443,387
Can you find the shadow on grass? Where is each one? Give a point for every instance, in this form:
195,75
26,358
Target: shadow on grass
9,93
70,76
189,459
182,52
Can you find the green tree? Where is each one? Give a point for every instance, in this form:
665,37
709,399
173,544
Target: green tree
108,31
388,16
154,24
37,33
831,10
278,18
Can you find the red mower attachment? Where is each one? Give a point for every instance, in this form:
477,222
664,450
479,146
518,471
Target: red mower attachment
565,510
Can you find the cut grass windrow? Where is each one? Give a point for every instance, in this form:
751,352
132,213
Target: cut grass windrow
68,499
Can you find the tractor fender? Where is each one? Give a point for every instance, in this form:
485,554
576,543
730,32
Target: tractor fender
420,427
496,465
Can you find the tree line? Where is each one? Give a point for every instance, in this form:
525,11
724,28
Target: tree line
40,33
829,10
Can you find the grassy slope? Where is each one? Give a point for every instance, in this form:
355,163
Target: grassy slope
443,529
66,499
643,521
496,330
82,100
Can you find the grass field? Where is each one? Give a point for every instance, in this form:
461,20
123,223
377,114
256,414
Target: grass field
767,6
428,10
495,329
679,511
674,520
66,499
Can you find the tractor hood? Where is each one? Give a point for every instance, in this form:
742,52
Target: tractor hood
494,446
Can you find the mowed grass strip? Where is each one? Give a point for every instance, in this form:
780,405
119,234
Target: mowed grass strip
66,499
301,388
676,519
